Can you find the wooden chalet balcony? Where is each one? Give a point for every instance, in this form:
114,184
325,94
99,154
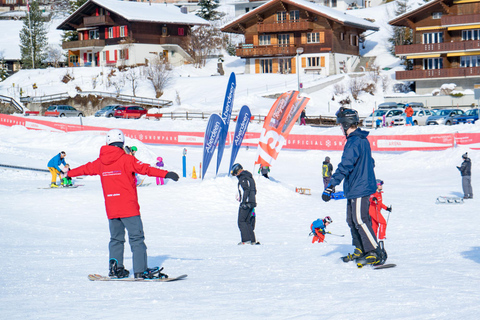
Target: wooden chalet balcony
298,25
460,19
97,21
172,40
438,73
83,44
248,51
442,47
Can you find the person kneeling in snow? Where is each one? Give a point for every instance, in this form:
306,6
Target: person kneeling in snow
318,229
117,174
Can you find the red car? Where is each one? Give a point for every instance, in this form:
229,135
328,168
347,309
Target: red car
130,112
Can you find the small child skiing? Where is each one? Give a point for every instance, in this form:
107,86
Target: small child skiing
160,165
318,229
379,224
264,170
66,181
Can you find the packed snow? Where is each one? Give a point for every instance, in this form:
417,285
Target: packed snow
53,238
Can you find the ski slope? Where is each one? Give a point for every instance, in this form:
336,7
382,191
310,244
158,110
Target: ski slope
51,239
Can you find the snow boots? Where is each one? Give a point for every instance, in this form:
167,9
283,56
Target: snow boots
151,273
117,272
375,257
357,253
53,185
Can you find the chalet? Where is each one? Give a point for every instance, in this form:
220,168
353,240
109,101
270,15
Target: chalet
10,5
446,44
115,33
275,32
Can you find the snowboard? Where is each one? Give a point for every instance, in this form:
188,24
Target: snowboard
449,200
98,277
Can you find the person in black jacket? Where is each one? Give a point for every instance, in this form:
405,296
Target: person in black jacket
466,171
356,167
246,196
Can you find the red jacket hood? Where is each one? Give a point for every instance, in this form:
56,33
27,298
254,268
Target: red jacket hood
110,154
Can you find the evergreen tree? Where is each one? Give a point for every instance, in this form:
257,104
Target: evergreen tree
401,35
207,10
3,70
72,35
33,38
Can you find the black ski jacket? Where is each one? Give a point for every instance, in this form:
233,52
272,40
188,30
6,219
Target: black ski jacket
466,168
247,189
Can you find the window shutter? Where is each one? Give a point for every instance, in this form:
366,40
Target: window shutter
115,52
255,40
304,38
304,62
294,65
126,31
96,12
108,56
126,54
322,37
257,66
85,35
275,66
106,33
84,57
322,62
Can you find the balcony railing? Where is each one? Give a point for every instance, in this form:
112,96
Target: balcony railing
460,19
443,47
83,44
97,21
247,50
438,73
297,25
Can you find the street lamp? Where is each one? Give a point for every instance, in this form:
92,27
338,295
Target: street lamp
299,52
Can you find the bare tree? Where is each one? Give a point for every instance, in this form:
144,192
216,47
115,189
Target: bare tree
202,42
55,55
159,73
132,75
356,85
385,82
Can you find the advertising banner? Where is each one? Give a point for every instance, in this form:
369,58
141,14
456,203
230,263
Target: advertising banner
241,128
212,135
226,115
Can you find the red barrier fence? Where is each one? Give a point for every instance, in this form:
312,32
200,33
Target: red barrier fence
294,141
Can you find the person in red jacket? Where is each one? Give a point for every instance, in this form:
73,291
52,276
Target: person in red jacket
117,175
379,224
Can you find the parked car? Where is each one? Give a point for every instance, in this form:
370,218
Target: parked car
444,116
379,114
108,111
62,111
420,116
470,117
130,112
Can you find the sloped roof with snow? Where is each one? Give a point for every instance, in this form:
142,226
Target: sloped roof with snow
141,11
327,12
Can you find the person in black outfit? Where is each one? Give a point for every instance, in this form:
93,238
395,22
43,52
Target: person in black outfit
246,196
466,171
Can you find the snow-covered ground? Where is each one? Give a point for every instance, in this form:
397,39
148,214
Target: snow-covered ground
52,238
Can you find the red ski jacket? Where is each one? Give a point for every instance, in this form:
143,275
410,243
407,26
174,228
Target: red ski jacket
117,174
376,207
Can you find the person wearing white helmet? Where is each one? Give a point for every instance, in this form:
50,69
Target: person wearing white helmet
117,171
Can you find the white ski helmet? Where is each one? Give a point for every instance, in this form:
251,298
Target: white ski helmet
115,135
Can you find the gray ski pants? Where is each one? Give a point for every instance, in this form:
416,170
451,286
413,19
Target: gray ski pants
467,186
136,238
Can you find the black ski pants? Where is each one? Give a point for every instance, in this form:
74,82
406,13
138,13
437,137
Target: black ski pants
246,224
360,223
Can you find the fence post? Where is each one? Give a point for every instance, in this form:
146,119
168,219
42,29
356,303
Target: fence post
186,113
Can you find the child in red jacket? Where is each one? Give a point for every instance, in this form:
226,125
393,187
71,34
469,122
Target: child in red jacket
117,175
379,224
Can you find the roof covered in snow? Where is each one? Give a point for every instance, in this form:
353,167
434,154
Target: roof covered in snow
138,11
329,13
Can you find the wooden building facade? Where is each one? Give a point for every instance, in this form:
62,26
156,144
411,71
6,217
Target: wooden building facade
327,40
446,44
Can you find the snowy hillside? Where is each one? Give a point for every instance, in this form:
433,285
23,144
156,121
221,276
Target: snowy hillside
51,239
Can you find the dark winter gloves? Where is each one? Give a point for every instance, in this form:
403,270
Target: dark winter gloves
389,209
327,193
172,175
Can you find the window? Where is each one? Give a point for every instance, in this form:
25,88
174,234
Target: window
73,59
433,63
315,37
354,40
266,65
264,40
473,34
437,15
326,3
281,16
110,33
283,40
470,61
247,10
181,31
294,15
334,3
342,36
434,37
104,56
123,54
313,62
285,66
122,31
93,34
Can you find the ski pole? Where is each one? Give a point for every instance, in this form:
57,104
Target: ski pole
333,234
389,214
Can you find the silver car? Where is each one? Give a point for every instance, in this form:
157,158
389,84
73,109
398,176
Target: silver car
62,111
108,111
444,116
420,116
